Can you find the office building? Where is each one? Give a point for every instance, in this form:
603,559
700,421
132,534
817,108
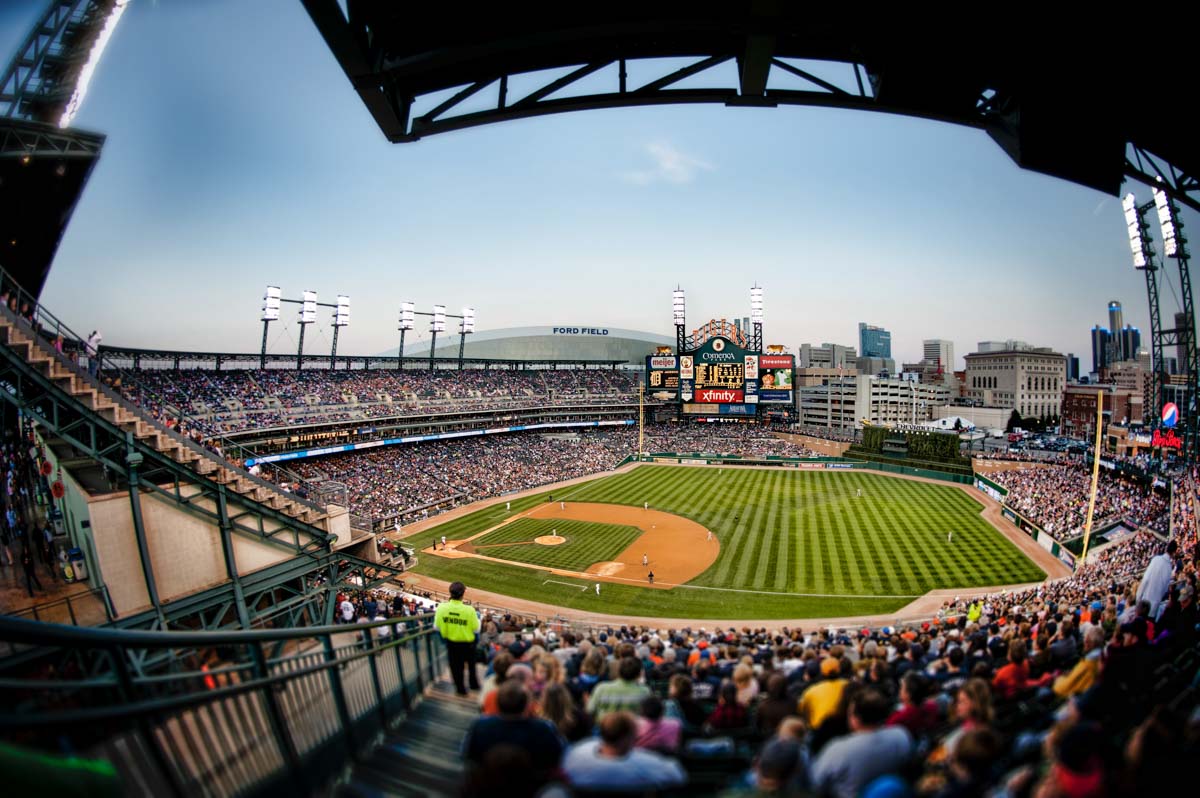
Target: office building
829,356
846,402
1079,408
1009,345
874,341
940,352
1115,323
876,366
1101,348
1029,380
1131,341
1072,368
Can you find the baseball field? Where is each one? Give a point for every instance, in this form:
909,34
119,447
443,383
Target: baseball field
728,543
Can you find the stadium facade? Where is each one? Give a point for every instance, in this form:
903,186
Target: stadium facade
556,342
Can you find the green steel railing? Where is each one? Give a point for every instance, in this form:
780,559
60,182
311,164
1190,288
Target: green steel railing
226,713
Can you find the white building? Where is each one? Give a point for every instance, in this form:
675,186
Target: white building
1029,380
846,402
938,351
828,356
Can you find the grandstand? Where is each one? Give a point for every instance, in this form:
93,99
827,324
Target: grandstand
221,578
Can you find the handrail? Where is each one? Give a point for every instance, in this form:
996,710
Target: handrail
37,317
98,593
255,712
20,630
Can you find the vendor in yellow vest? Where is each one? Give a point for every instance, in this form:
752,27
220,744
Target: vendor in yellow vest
458,625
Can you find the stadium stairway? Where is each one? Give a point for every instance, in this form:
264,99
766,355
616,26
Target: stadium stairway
44,383
422,757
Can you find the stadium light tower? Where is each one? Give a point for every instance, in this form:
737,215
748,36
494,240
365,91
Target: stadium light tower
308,315
1175,246
1143,261
756,317
678,309
270,313
437,324
407,318
465,328
341,318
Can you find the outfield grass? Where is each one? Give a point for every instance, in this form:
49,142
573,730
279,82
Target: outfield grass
587,542
781,532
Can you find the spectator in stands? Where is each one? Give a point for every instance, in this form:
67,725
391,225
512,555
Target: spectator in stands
918,713
729,715
1086,670
1157,579
559,708
775,705
655,732
624,694
848,764
1013,679
972,710
613,762
681,704
534,737
820,702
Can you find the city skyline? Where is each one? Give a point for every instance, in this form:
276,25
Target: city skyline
212,187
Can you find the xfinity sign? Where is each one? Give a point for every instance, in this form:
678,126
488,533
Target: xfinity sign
580,330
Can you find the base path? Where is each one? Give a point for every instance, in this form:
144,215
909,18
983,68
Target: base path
677,548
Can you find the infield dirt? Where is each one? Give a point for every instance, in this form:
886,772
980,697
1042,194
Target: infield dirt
677,549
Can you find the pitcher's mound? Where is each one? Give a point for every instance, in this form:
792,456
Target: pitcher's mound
606,568
550,540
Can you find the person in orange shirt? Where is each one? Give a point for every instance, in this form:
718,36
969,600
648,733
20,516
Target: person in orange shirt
1013,679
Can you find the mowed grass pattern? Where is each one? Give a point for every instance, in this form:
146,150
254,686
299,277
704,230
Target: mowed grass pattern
587,542
794,544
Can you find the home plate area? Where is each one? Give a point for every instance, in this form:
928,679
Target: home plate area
596,541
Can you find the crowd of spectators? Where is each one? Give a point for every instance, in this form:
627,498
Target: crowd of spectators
219,402
416,481
743,440
1055,497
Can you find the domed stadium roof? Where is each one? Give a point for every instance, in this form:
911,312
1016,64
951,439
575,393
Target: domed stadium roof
583,342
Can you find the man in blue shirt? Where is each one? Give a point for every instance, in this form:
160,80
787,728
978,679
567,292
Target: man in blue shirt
611,762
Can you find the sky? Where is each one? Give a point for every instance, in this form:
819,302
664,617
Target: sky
238,156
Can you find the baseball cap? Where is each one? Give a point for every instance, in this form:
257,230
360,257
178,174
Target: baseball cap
830,667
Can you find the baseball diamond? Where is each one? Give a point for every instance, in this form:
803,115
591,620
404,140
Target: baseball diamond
787,544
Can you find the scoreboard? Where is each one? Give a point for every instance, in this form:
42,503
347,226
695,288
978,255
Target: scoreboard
721,378
662,377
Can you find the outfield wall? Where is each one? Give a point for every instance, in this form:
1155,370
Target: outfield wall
804,464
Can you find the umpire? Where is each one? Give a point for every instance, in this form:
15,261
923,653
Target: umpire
458,625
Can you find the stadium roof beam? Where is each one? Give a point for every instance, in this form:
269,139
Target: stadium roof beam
1053,100
137,357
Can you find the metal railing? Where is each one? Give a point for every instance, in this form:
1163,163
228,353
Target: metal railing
85,608
46,329
226,713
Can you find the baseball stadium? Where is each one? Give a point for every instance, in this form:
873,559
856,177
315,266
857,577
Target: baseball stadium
573,559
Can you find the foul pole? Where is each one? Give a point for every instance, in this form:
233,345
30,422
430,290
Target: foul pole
1087,527
641,421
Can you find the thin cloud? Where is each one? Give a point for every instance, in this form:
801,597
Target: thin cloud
670,166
